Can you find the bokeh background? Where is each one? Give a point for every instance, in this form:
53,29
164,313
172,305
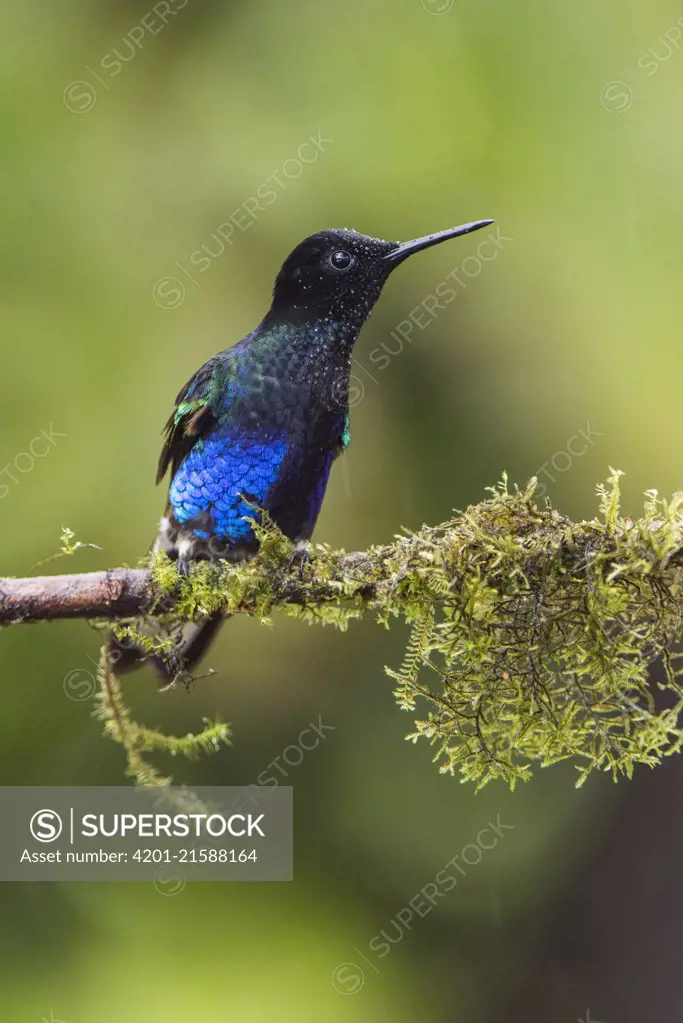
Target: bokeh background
131,134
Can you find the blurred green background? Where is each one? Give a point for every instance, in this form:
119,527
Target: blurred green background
131,135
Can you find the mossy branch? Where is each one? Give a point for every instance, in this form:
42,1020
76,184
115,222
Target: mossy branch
533,638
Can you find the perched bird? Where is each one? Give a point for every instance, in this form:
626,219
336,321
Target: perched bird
260,424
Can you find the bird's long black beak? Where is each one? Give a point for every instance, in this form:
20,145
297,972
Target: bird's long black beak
405,249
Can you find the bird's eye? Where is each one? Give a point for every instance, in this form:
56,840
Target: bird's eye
341,260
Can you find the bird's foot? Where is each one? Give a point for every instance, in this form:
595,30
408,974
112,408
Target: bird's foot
183,566
301,557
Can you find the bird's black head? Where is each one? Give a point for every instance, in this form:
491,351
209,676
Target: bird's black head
338,275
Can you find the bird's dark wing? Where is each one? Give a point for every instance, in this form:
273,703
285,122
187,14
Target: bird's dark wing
193,417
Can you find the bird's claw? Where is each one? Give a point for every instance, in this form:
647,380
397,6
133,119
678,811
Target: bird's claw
300,557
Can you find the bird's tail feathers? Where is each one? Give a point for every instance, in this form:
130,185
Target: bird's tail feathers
179,655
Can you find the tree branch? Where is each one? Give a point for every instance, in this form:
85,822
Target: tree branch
132,592
532,638
117,593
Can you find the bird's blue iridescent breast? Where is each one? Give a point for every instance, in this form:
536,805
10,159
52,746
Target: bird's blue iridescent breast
222,478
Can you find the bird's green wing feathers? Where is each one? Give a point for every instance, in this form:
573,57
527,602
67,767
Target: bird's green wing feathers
191,419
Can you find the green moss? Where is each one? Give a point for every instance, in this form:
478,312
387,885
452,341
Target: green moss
138,740
532,639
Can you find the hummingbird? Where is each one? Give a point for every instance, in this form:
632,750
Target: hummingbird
259,425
